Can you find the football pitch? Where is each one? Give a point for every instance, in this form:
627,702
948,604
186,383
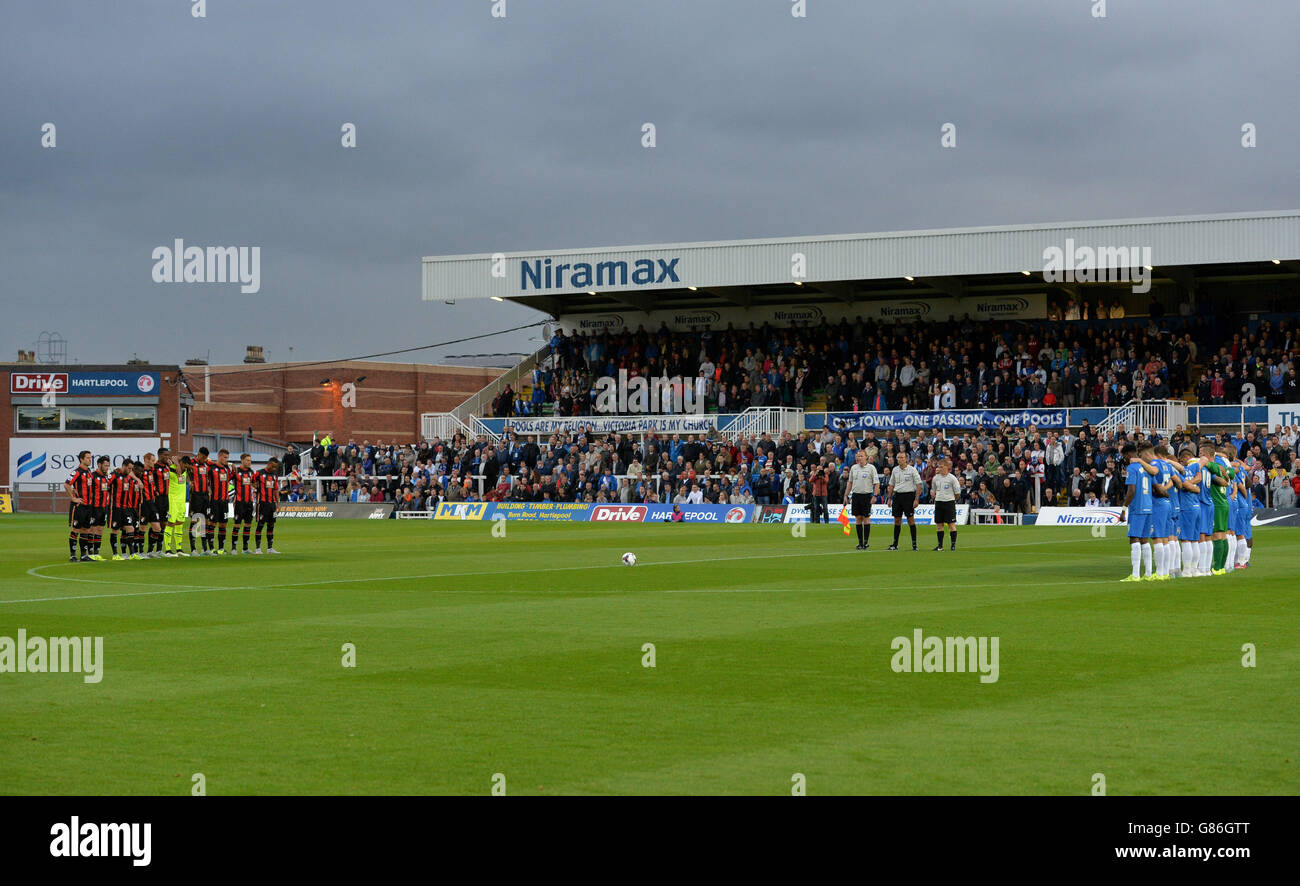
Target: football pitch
525,657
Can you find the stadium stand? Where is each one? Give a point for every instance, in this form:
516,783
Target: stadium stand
1101,361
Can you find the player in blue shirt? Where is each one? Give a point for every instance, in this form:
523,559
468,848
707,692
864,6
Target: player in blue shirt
1137,500
1206,526
1246,505
1189,521
1174,553
1174,564
1162,513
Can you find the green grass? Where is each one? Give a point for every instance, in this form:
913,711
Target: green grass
522,655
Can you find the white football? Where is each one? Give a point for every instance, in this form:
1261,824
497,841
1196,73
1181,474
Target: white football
629,559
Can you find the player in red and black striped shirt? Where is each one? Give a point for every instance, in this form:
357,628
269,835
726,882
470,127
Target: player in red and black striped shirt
127,492
219,501
245,500
200,492
78,488
153,509
101,492
268,494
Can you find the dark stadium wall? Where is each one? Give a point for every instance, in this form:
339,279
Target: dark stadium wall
289,403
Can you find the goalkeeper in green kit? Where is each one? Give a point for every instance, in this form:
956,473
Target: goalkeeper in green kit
177,520
1221,475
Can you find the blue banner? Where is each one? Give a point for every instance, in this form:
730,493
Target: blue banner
964,419
539,511
702,513
103,383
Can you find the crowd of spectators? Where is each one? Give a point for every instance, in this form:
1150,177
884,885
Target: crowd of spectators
871,366
1013,469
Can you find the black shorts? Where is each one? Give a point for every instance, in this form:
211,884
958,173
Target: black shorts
124,517
198,504
860,503
904,504
266,512
218,511
149,511
162,507
243,512
945,512
85,516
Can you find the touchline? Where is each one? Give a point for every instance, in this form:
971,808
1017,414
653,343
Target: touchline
53,655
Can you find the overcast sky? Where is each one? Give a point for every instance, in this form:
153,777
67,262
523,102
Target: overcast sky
477,134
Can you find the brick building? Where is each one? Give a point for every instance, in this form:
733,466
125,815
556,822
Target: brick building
288,402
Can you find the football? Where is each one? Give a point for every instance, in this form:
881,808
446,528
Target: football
629,559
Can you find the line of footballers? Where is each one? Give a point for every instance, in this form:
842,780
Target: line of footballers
1188,516
151,506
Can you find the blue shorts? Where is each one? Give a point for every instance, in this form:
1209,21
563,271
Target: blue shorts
1247,514
1205,520
1162,515
1189,525
1139,525
1240,520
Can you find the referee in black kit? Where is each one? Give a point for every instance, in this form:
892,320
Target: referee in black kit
903,482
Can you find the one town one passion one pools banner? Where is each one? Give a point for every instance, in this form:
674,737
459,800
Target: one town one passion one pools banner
946,418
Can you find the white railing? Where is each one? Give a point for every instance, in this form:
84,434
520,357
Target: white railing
995,516
319,482
1124,415
1163,415
446,425
770,419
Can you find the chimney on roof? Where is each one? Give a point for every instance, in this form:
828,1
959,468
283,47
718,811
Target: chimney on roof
254,354
26,356
196,361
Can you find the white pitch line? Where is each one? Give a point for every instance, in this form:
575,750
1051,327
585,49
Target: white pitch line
892,587
200,589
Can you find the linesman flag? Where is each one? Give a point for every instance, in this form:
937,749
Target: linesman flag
844,519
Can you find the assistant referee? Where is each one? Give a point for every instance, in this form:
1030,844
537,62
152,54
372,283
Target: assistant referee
863,486
904,481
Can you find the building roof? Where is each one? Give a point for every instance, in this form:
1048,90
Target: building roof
854,267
